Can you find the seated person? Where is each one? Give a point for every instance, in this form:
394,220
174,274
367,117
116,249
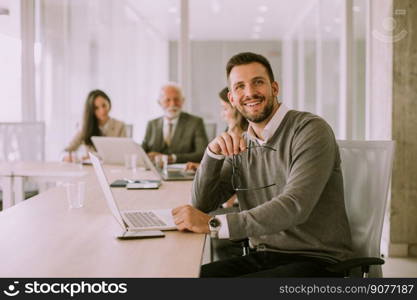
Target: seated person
96,122
235,121
286,172
177,134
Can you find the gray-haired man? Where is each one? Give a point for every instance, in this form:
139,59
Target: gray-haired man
177,134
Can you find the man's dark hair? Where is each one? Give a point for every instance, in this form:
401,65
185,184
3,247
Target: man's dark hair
245,58
223,94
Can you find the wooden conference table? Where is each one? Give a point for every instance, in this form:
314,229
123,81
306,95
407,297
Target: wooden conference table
42,237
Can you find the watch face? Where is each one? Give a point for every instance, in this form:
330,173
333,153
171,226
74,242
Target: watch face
214,222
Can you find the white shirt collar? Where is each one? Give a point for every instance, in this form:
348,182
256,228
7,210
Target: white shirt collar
172,121
272,126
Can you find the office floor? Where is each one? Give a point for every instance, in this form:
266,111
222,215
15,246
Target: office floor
400,267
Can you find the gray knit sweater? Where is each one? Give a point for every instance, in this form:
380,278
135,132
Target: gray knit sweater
304,212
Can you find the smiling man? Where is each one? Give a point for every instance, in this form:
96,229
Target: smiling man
286,173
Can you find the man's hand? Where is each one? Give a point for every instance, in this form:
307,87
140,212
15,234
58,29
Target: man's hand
157,157
170,159
152,155
228,143
191,166
189,218
67,158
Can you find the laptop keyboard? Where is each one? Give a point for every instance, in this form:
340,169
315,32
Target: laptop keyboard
144,219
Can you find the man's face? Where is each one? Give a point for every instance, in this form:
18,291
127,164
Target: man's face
252,92
171,102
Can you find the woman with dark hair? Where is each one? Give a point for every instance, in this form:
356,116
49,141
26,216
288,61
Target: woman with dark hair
96,122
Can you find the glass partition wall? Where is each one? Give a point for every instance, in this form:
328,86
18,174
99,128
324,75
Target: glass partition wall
324,64
10,62
220,29
118,46
129,48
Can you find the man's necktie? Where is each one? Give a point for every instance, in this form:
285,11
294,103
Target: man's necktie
169,135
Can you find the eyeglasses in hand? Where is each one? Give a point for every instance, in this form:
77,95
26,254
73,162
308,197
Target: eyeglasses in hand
237,164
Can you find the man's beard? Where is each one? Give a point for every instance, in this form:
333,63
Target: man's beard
263,115
172,113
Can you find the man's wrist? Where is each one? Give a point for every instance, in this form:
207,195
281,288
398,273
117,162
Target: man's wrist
224,229
212,151
214,227
213,155
172,158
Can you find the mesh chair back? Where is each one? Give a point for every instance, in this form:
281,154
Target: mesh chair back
366,167
23,141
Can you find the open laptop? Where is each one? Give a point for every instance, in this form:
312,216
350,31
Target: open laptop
132,220
112,150
176,172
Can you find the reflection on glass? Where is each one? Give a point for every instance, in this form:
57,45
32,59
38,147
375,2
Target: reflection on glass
118,46
330,32
310,60
359,69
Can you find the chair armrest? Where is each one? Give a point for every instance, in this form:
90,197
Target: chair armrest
363,262
244,240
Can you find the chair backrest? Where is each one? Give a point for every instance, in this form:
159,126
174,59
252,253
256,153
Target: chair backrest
129,130
211,130
366,168
23,141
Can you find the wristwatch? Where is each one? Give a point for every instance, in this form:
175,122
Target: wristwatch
214,226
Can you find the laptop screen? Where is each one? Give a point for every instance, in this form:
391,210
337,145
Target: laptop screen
106,190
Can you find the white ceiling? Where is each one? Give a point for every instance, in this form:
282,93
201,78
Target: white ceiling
229,19
224,19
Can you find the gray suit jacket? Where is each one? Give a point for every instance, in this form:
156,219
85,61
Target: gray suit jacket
188,143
